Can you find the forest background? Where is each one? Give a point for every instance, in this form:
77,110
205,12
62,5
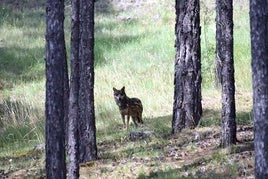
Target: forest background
134,47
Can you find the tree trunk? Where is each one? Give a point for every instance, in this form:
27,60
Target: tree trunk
187,108
73,169
87,128
259,51
55,61
224,51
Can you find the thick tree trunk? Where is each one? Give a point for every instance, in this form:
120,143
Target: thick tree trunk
55,61
259,51
87,128
224,46
73,169
187,108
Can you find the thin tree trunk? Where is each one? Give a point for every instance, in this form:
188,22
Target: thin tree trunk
259,51
224,46
73,144
87,128
187,108
55,61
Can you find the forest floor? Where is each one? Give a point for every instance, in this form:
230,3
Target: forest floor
191,154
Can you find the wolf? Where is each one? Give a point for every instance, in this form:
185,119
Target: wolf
128,107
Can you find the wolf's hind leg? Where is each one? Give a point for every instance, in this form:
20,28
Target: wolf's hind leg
140,119
135,120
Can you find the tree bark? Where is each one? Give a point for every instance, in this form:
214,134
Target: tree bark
55,61
224,51
259,51
87,128
187,108
73,139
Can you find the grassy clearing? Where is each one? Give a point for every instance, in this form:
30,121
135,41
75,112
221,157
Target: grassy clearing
134,47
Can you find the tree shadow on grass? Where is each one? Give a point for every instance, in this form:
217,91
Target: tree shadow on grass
105,43
20,65
213,118
22,14
17,62
107,39
104,7
23,4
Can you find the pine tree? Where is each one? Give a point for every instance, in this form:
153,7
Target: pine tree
187,108
86,126
73,138
224,46
55,76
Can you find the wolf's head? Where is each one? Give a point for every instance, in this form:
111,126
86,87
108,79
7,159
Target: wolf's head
119,96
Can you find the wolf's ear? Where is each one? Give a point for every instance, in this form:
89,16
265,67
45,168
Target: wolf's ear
114,89
123,89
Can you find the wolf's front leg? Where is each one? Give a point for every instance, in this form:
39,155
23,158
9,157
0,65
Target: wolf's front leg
128,117
123,119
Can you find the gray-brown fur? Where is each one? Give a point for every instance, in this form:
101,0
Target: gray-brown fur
128,107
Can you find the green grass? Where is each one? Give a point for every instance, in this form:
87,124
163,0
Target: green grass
134,47
22,46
